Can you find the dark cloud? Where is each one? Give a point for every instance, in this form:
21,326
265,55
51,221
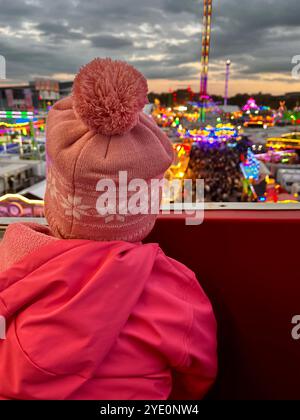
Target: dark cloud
161,37
110,42
59,32
163,70
187,6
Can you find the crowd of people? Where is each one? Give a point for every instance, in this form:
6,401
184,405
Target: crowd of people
219,166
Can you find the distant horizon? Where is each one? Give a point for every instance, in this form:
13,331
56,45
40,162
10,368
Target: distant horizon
159,92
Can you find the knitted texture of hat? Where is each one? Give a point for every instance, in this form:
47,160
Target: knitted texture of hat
109,95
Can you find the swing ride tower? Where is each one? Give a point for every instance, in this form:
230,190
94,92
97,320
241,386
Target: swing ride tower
206,36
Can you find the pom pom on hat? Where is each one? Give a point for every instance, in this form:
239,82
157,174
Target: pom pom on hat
109,95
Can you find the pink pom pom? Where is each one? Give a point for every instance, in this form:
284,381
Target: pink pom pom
109,95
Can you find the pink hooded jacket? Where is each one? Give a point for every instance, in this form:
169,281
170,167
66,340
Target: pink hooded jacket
100,320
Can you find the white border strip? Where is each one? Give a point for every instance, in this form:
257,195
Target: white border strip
5,221
232,206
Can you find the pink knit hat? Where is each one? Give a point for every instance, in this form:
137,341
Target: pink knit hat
93,135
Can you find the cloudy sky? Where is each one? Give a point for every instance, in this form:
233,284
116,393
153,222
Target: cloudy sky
161,37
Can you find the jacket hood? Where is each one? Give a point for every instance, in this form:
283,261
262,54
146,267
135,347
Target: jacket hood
68,300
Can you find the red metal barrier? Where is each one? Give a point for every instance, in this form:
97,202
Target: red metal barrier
248,264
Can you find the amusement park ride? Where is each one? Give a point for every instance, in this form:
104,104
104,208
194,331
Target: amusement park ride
228,64
205,99
206,36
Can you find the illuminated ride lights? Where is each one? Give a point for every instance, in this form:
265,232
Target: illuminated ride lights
251,170
253,173
288,117
181,161
292,136
219,134
283,156
285,142
276,194
21,127
272,191
258,116
15,205
172,117
183,115
251,105
295,118
182,124
251,167
29,115
260,121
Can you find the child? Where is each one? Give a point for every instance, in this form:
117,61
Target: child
91,312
